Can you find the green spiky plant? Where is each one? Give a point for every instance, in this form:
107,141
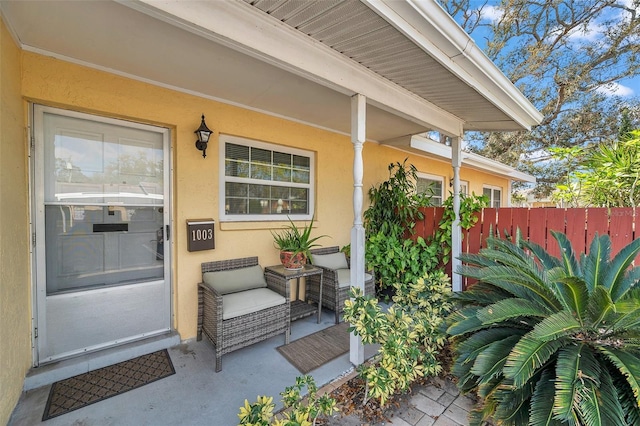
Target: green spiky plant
550,341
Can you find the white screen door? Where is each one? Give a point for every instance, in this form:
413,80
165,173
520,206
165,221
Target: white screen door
101,198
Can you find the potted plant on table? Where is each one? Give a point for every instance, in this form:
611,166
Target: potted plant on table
294,244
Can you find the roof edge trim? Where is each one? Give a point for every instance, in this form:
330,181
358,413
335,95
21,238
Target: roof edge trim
457,51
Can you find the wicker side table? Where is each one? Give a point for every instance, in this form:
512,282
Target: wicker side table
299,308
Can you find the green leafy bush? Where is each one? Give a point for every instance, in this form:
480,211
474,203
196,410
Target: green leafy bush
398,260
395,201
390,220
545,340
410,333
469,205
304,411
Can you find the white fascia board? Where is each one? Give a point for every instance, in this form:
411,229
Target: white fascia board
469,159
430,27
241,27
435,149
492,166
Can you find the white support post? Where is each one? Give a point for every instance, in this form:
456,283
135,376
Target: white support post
456,230
358,122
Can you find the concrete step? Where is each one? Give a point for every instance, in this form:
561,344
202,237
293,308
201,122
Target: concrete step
50,373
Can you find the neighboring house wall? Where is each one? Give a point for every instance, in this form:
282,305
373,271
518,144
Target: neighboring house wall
477,180
15,305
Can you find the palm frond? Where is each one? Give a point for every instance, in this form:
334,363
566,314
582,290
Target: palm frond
598,404
626,398
627,312
589,411
546,260
575,365
541,401
567,255
513,403
560,324
487,388
490,361
615,274
518,283
469,349
629,366
479,416
600,308
573,294
630,280
527,356
480,293
464,321
595,264
511,308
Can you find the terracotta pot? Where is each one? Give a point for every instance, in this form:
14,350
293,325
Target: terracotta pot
291,261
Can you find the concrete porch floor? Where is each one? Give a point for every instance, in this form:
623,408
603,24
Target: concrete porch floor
196,394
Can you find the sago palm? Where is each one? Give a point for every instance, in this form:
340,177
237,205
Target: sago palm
550,341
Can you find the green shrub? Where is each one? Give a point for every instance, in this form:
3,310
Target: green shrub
410,333
397,260
545,340
304,411
469,205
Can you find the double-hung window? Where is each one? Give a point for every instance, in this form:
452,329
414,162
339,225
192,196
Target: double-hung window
262,181
494,194
431,185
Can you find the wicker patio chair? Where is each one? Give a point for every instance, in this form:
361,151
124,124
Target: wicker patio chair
234,333
335,281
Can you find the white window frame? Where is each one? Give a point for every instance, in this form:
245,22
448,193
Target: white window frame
492,198
223,179
465,184
435,178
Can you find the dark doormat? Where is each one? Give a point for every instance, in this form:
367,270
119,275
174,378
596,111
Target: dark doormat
315,350
88,388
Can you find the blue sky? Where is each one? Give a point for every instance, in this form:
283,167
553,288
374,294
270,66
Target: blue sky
626,88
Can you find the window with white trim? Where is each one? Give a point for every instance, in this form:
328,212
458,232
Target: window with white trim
494,194
431,185
262,181
464,187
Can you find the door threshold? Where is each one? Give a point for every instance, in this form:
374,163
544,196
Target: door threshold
60,370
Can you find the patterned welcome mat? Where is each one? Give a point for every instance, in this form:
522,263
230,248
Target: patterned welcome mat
314,350
88,388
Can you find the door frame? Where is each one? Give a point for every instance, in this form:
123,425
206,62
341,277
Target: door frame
37,246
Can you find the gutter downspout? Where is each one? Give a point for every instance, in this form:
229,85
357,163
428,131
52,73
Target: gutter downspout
358,127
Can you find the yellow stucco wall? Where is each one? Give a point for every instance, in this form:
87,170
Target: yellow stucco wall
15,306
195,180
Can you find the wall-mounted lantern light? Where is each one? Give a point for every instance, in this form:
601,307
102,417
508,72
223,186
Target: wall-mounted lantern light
203,134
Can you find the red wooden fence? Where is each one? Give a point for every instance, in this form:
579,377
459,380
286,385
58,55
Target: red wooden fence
579,224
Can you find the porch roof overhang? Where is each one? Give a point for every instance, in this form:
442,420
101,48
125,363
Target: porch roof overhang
303,61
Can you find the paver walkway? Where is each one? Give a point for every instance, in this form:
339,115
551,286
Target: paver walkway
436,403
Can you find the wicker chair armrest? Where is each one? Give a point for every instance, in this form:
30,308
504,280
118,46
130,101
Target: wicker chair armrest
278,285
217,306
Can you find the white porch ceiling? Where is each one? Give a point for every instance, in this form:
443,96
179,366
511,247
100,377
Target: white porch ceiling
297,59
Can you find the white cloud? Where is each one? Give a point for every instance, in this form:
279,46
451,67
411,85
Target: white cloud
589,34
492,13
615,89
630,5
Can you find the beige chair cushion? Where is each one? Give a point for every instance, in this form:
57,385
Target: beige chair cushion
344,277
249,301
234,280
330,261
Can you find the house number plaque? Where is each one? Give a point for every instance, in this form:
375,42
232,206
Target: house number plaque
200,234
